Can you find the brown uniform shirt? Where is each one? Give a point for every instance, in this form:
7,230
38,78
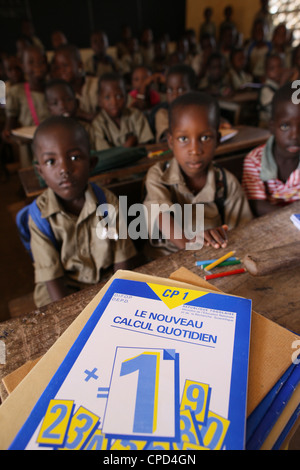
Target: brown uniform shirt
106,134
166,185
82,256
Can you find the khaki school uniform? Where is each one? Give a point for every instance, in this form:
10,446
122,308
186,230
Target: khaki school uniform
82,258
166,185
106,134
161,123
94,67
17,108
88,98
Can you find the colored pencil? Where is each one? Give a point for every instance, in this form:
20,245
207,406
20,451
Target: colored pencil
218,261
208,261
224,263
225,273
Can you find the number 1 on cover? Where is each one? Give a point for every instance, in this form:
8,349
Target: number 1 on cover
143,385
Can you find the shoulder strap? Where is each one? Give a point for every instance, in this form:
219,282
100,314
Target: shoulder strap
42,224
100,195
221,190
31,104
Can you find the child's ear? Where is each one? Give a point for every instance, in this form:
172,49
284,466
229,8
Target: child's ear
38,168
219,135
272,127
170,140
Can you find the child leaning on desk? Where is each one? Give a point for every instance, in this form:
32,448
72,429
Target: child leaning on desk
271,173
62,149
116,124
192,178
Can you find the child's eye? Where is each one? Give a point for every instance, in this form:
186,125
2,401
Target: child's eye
205,138
182,138
74,157
284,126
49,162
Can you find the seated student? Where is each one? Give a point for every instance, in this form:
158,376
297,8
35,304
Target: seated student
147,46
274,74
116,124
81,258
216,81
58,38
280,44
100,62
13,71
179,80
258,48
129,60
26,104
142,96
62,101
294,72
271,174
68,66
238,76
192,178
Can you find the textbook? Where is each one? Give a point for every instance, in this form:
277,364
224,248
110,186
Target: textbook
295,218
155,366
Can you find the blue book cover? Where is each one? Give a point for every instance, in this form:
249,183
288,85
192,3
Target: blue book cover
295,218
275,408
154,367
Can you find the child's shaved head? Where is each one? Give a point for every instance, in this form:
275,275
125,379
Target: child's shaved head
69,124
195,98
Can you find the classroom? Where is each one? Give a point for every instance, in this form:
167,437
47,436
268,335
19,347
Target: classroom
164,146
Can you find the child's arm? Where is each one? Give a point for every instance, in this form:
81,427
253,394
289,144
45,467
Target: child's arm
56,289
217,237
261,207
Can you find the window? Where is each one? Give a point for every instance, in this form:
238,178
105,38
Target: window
287,12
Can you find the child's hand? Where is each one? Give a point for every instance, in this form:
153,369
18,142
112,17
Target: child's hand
131,140
216,237
7,136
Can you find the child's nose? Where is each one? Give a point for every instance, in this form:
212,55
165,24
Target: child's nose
64,167
195,147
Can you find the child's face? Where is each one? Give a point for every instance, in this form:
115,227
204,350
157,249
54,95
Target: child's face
286,129
13,70
274,69
239,60
215,70
63,162
193,139
34,65
66,67
112,98
177,85
60,101
99,43
138,77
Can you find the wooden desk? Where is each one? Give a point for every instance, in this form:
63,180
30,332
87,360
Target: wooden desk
275,296
246,139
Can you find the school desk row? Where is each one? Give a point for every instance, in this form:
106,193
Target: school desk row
274,296
230,154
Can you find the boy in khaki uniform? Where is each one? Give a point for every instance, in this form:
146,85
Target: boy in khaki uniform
116,125
191,178
69,203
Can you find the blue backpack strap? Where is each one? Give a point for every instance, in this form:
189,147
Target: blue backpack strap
100,196
42,224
